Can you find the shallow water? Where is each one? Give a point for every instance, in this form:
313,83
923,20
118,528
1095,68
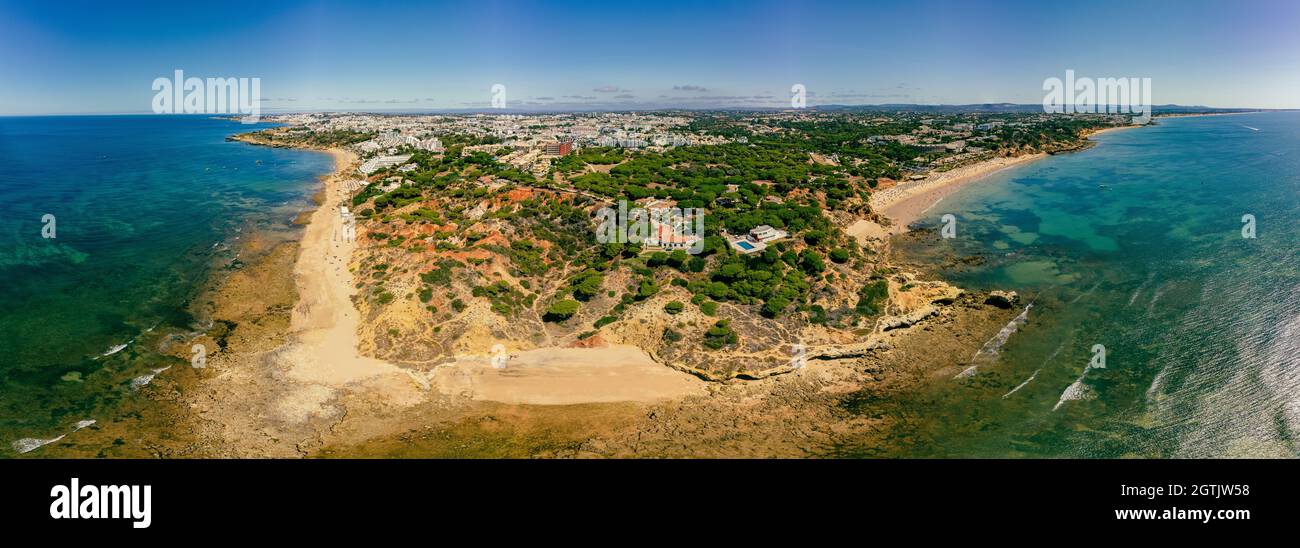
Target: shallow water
145,208
1136,245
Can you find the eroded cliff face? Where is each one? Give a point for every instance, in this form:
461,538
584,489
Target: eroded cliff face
431,292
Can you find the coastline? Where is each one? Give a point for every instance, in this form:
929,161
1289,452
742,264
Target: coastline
275,389
293,382
907,202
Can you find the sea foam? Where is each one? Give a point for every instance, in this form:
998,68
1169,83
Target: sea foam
144,380
27,445
990,349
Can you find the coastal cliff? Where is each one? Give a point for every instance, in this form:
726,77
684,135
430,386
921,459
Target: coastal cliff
430,298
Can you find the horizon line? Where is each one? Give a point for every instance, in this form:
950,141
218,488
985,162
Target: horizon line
609,108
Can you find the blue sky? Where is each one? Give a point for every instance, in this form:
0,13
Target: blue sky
93,57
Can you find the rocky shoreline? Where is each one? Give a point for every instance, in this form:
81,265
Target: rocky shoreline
248,401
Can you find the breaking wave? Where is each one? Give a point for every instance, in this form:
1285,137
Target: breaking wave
991,347
27,445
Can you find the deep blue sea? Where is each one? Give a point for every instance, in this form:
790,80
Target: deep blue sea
1135,245
145,209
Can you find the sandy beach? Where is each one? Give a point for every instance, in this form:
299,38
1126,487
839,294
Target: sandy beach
286,379
566,376
907,202
324,321
325,324
315,388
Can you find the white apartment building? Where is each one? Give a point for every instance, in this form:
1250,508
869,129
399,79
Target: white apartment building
382,162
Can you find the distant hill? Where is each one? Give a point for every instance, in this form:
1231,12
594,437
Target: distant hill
1006,108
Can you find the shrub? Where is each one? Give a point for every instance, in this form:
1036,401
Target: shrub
677,259
587,285
646,290
871,297
720,335
561,310
811,262
774,306
818,314
674,307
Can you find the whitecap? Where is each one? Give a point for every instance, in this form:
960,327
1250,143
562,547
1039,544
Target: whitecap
1132,299
1076,391
144,380
1022,385
991,347
115,349
27,445
1156,384
1160,291
1086,293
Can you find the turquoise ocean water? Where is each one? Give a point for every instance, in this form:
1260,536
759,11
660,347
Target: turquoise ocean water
145,208
1135,245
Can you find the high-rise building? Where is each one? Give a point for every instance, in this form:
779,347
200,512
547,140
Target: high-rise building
559,148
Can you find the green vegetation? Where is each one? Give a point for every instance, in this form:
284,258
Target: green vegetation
871,297
440,275
720,335
505,298
587,284
561,310
590,155
793,173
